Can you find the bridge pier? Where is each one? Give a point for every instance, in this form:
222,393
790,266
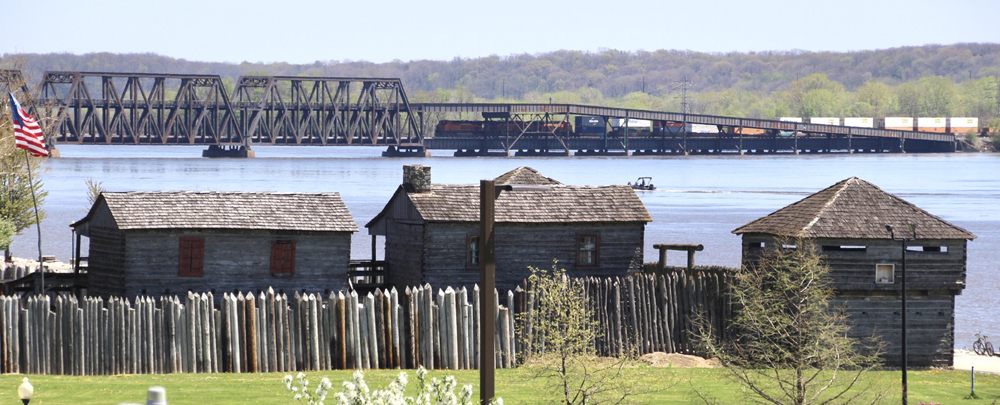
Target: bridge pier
406,151
600,152
228,151
481,152
544,152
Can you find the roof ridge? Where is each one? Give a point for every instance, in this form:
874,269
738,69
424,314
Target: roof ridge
851,208
833,199
925,212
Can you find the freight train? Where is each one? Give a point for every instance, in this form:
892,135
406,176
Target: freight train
585,126
597,126
941,125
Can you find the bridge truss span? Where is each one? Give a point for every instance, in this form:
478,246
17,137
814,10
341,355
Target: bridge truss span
295,110
137,108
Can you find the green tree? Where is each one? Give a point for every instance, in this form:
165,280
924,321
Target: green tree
872,99
792,345
939,96
814,95
94,190
7,233
908,96
16,207
558,340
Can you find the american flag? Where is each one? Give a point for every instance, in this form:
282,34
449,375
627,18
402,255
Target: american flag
27,133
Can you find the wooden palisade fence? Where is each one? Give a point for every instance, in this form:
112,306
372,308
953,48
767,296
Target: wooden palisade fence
270,332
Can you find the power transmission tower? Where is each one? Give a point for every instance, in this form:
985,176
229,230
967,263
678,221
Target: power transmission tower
683,85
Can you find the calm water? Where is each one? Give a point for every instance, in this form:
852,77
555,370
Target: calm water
699,199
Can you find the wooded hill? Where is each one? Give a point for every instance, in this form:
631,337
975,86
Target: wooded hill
930,80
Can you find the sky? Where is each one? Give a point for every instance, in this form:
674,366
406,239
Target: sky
301,31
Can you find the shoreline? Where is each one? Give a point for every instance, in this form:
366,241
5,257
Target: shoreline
966,360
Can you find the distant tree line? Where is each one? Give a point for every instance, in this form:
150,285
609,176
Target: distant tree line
930,80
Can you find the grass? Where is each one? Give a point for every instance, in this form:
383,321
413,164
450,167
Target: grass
515,386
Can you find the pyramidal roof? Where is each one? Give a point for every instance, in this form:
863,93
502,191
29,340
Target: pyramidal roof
525,175
852,209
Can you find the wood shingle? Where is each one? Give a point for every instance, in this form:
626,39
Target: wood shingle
525,175
322,212
852,209
559,204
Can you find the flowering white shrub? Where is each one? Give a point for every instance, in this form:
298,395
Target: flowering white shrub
301,392
356,391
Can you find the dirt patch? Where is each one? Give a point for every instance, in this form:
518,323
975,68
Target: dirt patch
661,359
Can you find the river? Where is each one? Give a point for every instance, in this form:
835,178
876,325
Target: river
698,199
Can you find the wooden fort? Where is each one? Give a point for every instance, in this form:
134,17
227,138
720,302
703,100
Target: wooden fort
431,231
847,224
172,242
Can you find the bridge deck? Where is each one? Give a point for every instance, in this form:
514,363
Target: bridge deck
577,109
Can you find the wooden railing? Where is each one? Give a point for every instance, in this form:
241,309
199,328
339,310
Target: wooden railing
366,275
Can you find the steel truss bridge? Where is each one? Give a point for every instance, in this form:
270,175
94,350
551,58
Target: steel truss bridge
180,109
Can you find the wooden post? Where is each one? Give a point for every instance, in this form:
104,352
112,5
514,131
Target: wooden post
487,282
250,313
341,326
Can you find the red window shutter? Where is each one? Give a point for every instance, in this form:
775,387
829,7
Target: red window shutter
192,257
283,257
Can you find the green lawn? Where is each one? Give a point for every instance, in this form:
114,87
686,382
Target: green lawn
515,386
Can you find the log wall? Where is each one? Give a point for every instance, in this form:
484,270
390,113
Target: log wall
935,274
518,246
233,261
271,332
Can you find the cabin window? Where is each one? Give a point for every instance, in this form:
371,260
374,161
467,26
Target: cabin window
756,245
472,251
192,257
845,248
587,248
927,249
282,257
884,273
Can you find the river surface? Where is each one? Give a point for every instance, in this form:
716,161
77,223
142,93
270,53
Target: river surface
698,199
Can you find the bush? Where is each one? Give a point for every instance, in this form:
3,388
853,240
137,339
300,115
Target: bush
357,392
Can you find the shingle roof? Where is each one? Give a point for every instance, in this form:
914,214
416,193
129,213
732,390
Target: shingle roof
324,212
559,204
855,209
525,175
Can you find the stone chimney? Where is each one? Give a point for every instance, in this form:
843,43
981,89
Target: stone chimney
417,178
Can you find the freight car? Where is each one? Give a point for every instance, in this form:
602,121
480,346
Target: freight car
459,129
941,125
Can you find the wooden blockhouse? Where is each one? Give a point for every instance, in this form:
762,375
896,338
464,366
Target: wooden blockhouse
431,231
174,242
847,225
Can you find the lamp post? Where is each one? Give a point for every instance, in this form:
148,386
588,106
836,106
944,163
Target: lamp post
904,239
487,282
488,193
25,391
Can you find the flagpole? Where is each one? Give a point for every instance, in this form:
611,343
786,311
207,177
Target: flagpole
38,222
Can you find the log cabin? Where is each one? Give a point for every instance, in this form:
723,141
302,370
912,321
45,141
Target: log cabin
172,242
431,231
846,223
